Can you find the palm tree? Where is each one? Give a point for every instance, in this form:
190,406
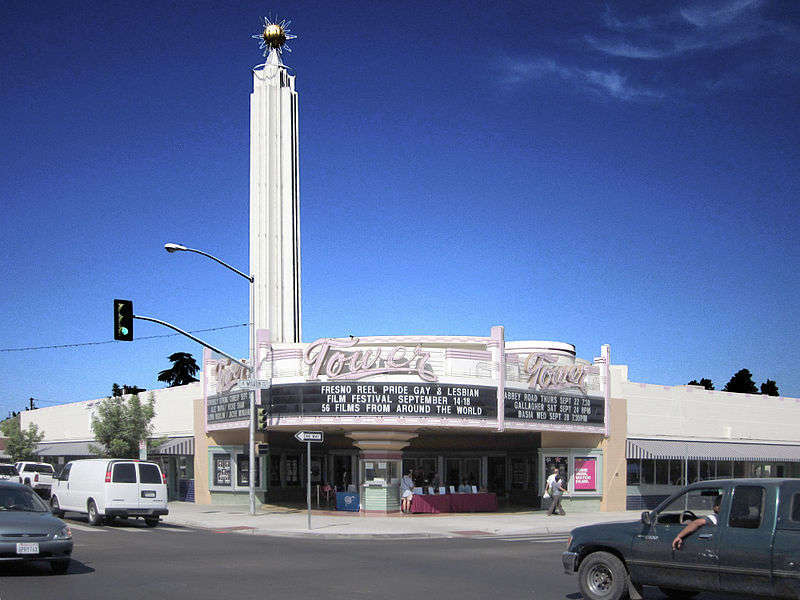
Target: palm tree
182,371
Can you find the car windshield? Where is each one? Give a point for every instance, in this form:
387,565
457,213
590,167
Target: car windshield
8,470
20,499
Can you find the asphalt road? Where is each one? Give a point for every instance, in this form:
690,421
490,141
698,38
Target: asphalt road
128,560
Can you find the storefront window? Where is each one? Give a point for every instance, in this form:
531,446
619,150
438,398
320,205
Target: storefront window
662,472
648,471
634,471
706,470
222,470
243,470
676,473
693,471
739,469
724,469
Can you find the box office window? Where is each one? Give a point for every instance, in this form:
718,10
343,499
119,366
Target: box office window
243,470
222,470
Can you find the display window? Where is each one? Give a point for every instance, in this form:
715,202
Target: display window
584,477
243,470
222,470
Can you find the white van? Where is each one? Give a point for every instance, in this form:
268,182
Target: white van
105,488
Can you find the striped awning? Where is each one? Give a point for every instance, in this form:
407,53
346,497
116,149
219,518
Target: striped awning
174,446
65,448
679,449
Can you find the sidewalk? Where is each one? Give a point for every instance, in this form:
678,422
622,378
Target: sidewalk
277,521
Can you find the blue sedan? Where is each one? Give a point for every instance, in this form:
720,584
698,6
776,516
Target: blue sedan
28,532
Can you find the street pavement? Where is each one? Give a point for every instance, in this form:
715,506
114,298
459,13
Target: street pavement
127,560
280,521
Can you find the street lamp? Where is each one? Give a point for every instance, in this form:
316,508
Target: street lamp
170,247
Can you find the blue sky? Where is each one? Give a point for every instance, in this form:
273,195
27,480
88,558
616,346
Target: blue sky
621,173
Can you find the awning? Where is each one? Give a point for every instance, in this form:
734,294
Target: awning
174,446
65,448
679,449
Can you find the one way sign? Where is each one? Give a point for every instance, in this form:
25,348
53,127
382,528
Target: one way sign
309,436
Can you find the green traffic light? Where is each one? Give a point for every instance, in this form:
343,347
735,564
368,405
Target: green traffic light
123,330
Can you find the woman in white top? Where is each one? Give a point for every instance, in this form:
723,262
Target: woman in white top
406,493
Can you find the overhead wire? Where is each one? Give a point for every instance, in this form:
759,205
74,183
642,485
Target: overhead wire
147,337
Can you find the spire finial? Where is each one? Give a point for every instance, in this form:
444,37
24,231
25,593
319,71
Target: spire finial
274,36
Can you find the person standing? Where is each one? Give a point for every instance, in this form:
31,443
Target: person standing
557,490
406,493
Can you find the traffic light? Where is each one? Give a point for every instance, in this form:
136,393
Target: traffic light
123,320
261,419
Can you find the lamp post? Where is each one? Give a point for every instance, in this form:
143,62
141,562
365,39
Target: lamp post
170,247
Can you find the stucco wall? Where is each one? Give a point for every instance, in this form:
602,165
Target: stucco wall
72,422
687,411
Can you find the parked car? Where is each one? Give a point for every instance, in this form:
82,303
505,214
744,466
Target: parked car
753,549
37,475
28,532
107,488
8,473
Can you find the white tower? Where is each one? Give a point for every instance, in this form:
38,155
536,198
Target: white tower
274,193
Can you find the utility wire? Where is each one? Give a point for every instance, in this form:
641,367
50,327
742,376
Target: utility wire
148,337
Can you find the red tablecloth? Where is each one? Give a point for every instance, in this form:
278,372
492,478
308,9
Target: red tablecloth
426,503
473,502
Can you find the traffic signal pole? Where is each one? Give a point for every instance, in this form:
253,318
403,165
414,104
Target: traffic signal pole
196,339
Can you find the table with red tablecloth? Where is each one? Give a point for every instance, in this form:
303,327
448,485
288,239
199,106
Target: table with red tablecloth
430,503
473,503
444,503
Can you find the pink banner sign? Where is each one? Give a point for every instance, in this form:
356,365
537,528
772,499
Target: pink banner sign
584,474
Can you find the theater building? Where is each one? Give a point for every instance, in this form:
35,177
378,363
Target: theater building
457,410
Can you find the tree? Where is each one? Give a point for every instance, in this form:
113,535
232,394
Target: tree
21,444
741,383
706,383
116,391
769,388
120,424
182,371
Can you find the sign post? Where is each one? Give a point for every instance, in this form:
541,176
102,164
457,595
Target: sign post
309,437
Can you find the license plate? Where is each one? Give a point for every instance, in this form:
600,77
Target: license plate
148,494
28,548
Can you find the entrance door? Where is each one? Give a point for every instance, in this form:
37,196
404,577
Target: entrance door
496,477
452,468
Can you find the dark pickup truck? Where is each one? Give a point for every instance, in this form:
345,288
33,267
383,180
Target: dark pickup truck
754,548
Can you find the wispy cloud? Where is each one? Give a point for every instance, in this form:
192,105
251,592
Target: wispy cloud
609,83
701,27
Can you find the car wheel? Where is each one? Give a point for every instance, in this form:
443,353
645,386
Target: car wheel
60,566
151,521
602,576
673,593
55,508
94,517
